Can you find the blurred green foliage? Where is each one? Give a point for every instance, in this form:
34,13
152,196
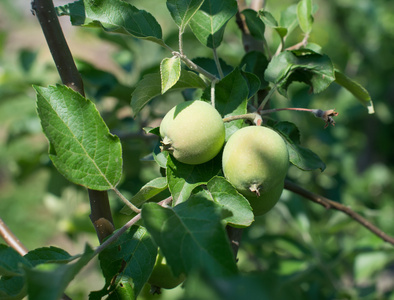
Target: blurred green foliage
299,248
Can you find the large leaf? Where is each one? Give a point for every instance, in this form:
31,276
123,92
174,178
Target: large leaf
356,89
223,193
302,65
133,256
150,87
82,148
191,236
231,96
48,281
183,10
209,22
299,156
183,178
114,16
170,71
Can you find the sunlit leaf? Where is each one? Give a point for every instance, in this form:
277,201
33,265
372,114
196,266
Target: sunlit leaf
81,146
114,16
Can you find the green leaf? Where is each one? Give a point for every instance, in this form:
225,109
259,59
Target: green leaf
114,16
301,157
183,178
356,89
183,10
209,22
223,193
191,236
11,261
82,148
170,71
48,281
304,14
256,286
288,18
252,82
255,62
148,191
123,290
133,256
270,21
209,65
48,255
302,65
255,24
366,265
231,97
12,288
150,87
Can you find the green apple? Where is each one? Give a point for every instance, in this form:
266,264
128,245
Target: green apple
255,162
193,132
162,275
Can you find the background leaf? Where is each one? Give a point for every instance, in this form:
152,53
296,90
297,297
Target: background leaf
183,10
191,236
304,14
356,89
82,148
209,22
114,16
255,24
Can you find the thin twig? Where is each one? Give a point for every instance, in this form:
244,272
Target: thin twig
217,62
11,239
193,66
253,117
330,204
127,202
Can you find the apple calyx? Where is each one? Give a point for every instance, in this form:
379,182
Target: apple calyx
255,188
166,145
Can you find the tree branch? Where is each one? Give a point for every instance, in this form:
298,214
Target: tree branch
330,204
61,54
10,238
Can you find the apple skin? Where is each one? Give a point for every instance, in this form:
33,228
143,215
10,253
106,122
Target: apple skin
255,161
193,132
162,275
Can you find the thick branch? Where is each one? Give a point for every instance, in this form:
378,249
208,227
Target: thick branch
329,204
45,12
